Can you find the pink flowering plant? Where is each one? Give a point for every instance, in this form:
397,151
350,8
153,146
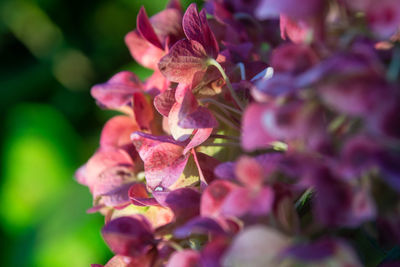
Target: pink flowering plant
267,135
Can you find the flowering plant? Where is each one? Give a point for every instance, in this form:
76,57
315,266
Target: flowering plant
267,135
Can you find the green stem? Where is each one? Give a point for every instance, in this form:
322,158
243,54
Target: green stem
227,137
226,144
213,62
221,105
226,121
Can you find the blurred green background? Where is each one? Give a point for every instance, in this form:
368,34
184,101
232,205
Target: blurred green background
51,53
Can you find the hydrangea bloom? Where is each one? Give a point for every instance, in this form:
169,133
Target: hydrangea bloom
268,135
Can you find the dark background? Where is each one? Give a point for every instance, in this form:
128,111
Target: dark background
51,53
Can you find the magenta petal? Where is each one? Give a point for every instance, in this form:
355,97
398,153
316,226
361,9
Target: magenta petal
249,172
185,58
193,116
225,170
156,83
163,160
262,203
213,251
103,160
142,51
117,197
196,28
167,25
118,91
177,132
143,111
140,197
214,196
164,101
237,203
185,204
112,178
146,29
199,119
198,138
254,134
199,225
184,258
116,132
128,236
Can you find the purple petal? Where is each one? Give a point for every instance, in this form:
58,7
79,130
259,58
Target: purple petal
201,118
316,251
225,170
213,251
199,225
185,203
128,236
272,8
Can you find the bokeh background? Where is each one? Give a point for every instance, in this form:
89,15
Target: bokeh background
51,52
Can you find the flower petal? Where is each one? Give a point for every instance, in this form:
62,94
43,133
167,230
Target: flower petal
184,60
117,91
196,28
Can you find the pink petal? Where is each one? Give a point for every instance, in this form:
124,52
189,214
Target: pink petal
156,83
249,172
163,160
196,28
184,60
254,134
213,197
118,91
184,258
146,29
143,111
167,24
140,197
164,101
238,202
116,132
177,132
198,138
193,116
103,160
142,51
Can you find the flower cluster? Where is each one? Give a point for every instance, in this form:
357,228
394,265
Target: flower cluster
267,135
